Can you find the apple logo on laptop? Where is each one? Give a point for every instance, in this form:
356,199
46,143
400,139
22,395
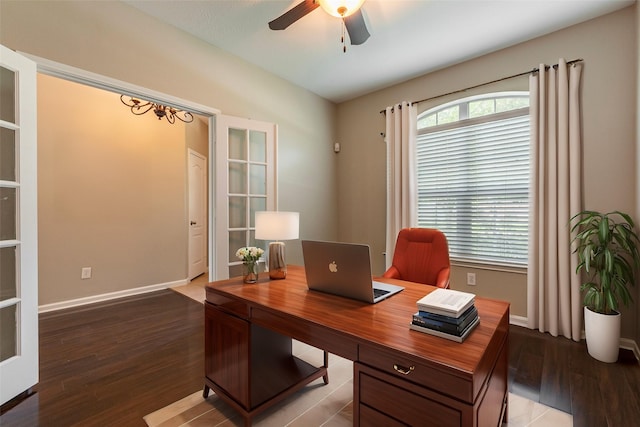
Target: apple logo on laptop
333,267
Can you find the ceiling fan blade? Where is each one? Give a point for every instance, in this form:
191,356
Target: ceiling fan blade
356,28
291,16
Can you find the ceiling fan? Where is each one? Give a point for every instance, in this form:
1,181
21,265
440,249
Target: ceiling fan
348,10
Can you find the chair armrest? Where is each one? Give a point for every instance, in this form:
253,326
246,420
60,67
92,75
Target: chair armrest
443,278
392,273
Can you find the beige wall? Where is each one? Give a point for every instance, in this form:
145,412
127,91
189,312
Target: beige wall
111,194
107,38
197,135
608,46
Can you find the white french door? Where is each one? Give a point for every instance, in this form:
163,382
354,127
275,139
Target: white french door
245,184
18,226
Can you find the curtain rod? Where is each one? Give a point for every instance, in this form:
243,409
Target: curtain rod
535,70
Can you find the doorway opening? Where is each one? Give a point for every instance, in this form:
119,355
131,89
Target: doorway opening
115,188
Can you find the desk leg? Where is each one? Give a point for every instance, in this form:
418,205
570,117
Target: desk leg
205,392
325,377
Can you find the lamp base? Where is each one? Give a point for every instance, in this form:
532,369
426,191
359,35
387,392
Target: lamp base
277,264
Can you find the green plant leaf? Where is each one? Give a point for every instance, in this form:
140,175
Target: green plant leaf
608,261
608,256
611,302
586,257
598,302
626,217
603,230
625,296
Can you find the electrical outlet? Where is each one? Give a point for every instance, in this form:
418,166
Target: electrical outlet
86,273
471,279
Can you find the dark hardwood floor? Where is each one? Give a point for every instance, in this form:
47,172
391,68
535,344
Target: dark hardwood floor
558,372
109,364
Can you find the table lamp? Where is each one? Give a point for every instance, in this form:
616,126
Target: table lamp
277,226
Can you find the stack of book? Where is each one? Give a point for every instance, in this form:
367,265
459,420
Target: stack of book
446,313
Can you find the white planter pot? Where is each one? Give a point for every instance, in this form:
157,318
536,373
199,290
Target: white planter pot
603,335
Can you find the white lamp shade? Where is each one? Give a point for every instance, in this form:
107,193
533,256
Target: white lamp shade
276,225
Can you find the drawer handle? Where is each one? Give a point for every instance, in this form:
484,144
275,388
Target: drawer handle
403,370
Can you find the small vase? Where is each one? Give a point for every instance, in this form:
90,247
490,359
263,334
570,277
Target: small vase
250,272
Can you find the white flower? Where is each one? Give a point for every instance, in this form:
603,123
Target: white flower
249,253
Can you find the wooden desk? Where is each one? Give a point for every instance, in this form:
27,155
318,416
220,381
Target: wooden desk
401,377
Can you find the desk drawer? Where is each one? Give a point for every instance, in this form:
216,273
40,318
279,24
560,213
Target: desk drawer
422,374
307,332
400,404
371,418
230,305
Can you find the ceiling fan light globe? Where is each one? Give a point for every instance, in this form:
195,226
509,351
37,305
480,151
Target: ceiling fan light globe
340,8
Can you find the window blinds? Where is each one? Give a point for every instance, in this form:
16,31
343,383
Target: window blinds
472,184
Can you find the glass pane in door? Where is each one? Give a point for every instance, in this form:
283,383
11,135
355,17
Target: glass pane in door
237,240
257,146
237,144
7,154
8,276
8,98
8,332
258,179
256,204
237,212
237,178
7,213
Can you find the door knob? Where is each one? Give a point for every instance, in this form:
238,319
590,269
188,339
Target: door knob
193,223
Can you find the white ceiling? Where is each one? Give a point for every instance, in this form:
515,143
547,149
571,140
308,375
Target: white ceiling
408,37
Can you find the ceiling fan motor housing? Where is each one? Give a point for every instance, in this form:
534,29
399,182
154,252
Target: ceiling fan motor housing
348,10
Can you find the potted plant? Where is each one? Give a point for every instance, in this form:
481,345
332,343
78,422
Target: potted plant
607,248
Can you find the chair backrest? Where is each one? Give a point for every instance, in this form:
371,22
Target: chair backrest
422,255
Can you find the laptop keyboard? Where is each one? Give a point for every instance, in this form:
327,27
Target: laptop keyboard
379,292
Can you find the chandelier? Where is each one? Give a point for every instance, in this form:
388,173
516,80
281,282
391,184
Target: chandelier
139,107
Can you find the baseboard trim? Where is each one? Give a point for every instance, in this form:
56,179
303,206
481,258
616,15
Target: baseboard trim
518,320
108,296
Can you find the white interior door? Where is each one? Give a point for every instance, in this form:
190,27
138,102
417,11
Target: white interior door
197,166
18,226
245,183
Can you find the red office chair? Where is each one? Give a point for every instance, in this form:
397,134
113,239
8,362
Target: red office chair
421,255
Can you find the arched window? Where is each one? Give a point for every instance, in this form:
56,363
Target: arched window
472,164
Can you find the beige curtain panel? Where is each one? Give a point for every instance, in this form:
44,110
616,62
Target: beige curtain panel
400,136
553,300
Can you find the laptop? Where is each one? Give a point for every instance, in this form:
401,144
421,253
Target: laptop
343,269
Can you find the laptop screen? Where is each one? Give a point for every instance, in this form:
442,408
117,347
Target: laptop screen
342,269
